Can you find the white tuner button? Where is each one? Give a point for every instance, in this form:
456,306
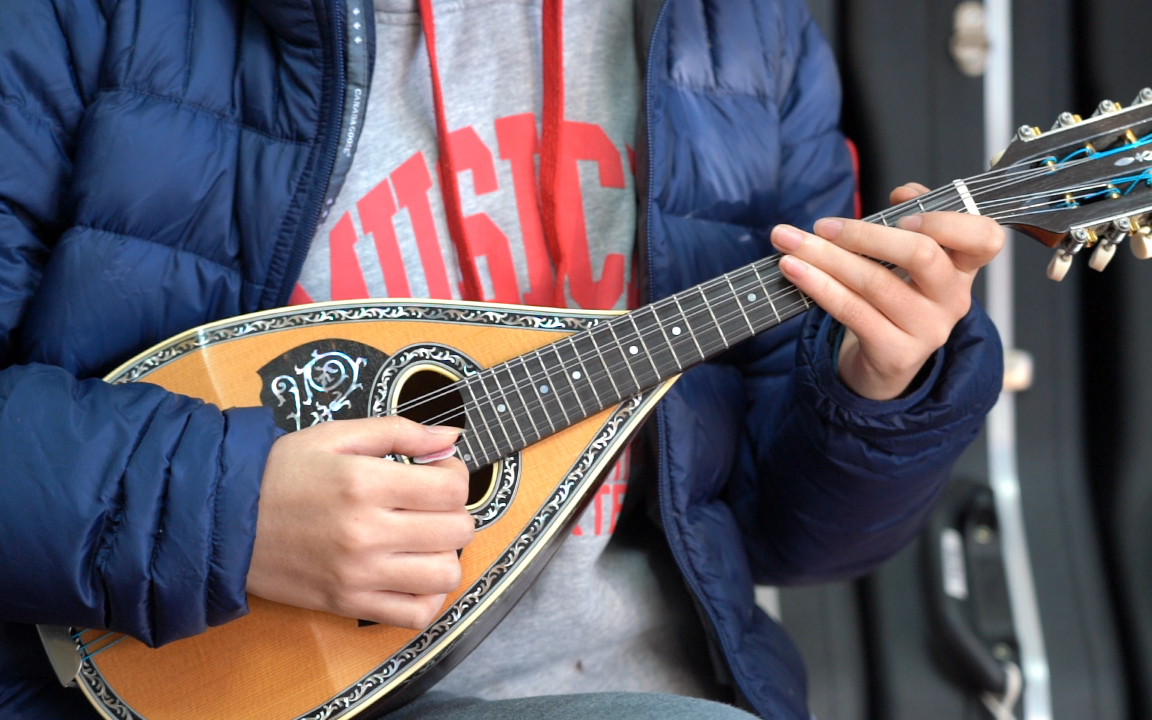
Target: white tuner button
1059,265
1141,244
1101,256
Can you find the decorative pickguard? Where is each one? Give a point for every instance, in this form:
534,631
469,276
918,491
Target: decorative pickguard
318,382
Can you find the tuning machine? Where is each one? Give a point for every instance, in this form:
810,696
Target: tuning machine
1061,261
1117,232
1066,119
1144,97
1141,243
1028,132
1107,107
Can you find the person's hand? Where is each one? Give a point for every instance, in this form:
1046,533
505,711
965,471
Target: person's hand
342,530
892,325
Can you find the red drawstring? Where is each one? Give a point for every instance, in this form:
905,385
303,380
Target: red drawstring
552,139
549,153
449,190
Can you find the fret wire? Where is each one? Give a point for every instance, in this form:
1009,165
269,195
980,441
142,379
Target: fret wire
564,372
747,286
520,383
647,352
768,293
708,305
688,327
623,353
488,395
600,353
667,340
584,377
551,387
523,404
584,369
469,452
536,392
739,304
483,422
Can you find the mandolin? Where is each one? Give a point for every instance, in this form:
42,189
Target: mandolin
547,398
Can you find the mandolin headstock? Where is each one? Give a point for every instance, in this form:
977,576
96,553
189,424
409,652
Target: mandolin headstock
1086,183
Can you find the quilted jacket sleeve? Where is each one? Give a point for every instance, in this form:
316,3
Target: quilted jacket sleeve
829,484
124,507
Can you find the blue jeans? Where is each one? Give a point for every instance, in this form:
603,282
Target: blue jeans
592,706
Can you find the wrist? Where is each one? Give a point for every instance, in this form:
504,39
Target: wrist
869,382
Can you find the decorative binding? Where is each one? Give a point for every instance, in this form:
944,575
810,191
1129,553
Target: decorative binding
548,519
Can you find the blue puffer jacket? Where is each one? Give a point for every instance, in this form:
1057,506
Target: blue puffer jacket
164,163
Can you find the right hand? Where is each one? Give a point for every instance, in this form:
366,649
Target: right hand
344,531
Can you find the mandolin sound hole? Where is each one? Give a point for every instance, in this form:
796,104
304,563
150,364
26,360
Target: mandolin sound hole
442,407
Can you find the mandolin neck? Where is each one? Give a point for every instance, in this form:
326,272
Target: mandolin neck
512,405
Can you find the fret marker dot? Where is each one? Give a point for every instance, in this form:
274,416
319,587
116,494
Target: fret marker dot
501,407
633,349
751,297
467,457
543,389
576,375
676,330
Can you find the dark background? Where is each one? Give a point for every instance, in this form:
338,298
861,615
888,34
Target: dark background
1085,427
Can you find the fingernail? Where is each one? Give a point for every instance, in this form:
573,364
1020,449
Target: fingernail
829,228
433,457
786,237
793,267
443,429
911,223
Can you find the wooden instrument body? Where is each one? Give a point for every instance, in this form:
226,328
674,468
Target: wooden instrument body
283,662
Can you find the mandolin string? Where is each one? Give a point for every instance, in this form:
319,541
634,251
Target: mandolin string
880,218
923,203
630,335
561,391
624,337
694,314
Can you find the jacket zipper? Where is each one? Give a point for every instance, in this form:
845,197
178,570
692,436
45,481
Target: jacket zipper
663,491
307,229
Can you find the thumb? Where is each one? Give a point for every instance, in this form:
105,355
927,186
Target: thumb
380,436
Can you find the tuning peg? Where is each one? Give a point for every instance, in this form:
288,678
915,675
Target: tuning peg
1059,265
1066,119
1144,97
1107,107
1102,255
1076,241
1141,241
1106,249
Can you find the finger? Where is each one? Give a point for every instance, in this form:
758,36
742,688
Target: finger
906,192
972,240
394,608
840,302
929,266
420,532
866,278
415,573
435,487
379,436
